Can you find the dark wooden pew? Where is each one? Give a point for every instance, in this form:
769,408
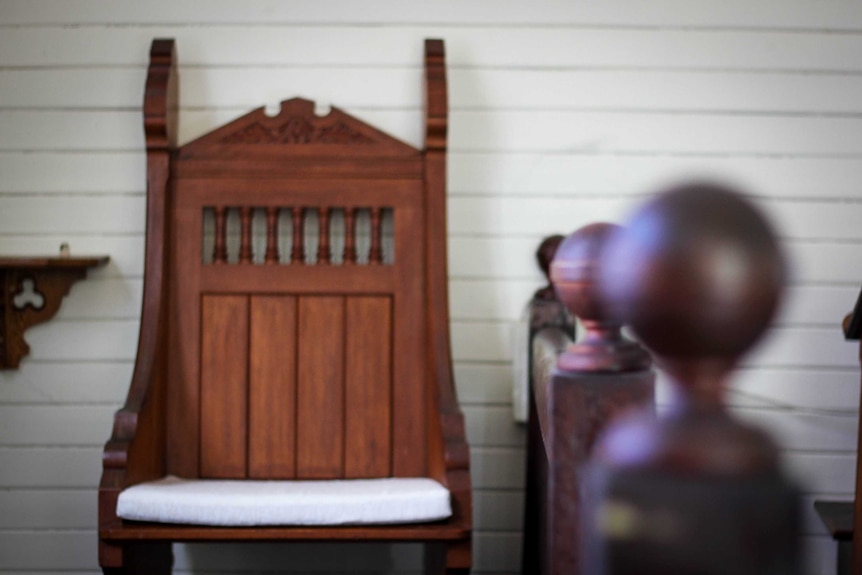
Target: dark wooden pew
576,388
696,273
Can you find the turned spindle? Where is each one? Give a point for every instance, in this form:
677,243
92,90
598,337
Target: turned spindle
697,274
574,272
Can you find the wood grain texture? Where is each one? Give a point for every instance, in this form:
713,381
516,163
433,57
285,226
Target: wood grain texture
265,362
776,57
320,388
272,388
224,386
368,387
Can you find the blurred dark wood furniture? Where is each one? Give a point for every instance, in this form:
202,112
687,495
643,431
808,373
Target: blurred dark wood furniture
696,490
842,518
353,327
576,389
853,331
49,279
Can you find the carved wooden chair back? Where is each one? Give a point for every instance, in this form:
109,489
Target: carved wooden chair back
297,355
294,323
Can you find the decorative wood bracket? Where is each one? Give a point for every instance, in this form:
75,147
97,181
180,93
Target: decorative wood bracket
33,288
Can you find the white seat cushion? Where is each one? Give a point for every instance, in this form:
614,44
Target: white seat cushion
251,502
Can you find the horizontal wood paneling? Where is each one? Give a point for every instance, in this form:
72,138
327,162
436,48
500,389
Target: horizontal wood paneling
665,13
113,340
470,217
485,299
497,468
565,173
467,46
782,347
48,509
119,172
35,425
508,173
483,384
488,131
249,86
508,258
814,388
493,427
562,114
51,466
534,215
66,383
115,214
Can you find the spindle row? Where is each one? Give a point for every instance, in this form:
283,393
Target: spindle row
298,235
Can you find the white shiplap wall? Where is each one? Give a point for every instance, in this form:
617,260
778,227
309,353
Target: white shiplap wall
563,113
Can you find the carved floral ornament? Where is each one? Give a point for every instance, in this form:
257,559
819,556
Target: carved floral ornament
298,130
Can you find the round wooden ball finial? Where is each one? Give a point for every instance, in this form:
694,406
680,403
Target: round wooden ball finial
697,273
574,274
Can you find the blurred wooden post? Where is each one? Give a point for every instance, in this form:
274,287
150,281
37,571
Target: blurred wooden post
548,316
697,274
592,381
852,326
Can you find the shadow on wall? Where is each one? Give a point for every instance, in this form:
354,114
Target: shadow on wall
355,558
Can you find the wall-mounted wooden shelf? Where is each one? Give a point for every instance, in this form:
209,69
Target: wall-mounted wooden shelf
33,288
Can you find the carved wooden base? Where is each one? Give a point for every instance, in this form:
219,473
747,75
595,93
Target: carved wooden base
33,289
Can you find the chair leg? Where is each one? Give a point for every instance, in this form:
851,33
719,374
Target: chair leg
454,558
140,559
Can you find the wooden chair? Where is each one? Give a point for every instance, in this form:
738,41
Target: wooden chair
322,354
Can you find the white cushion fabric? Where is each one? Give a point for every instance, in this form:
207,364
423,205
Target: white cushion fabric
252,502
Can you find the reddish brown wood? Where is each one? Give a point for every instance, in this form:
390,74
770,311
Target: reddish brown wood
706,470
449,455
852,328
577,389
324,254
368,423
160,532
272,255
409,411
52,278
320,393
375,252
224,393
574,273
184,359
297,253
294,340
245,251
135,451
350,236
220,249
272,388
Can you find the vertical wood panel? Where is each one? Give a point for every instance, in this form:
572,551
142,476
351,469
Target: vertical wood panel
320,388
224,386
409,396
183,388
368,387
272,388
